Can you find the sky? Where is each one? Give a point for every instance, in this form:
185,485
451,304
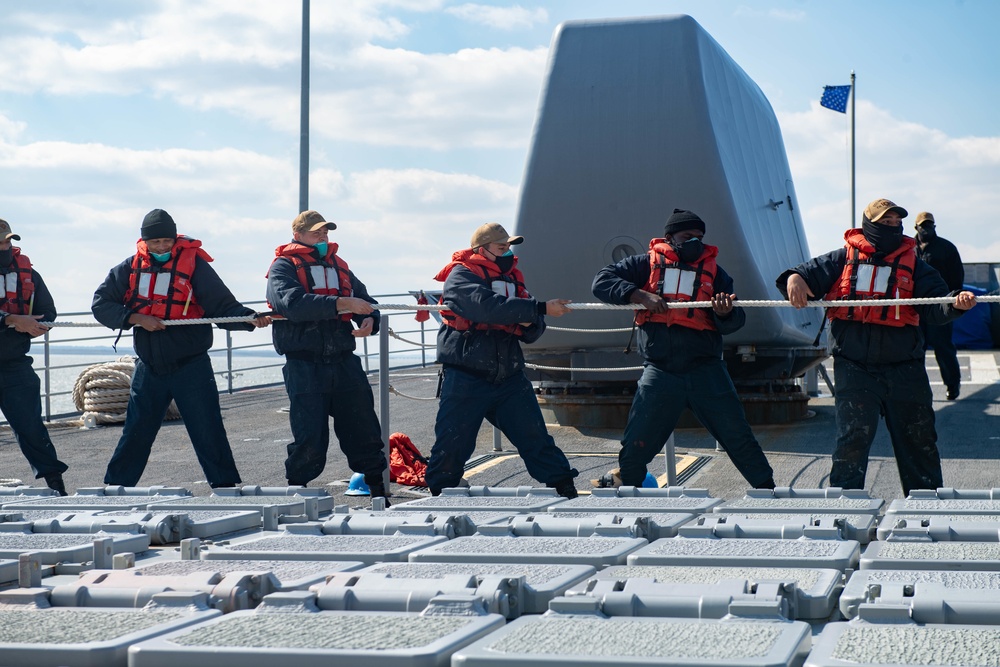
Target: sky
421,118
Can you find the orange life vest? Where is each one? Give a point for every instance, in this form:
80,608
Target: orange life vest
677,281
866,278
164,290
510,284
18,286
329,277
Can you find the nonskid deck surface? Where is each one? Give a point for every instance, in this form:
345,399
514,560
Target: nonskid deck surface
771,578
257,424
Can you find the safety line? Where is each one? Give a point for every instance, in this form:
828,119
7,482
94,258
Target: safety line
856,303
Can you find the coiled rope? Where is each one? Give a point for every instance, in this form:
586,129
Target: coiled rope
101,392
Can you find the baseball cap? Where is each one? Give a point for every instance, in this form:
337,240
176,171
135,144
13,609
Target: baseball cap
5,233
310,221
492,232
923,217
875,210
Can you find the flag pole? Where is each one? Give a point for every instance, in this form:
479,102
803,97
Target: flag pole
853,203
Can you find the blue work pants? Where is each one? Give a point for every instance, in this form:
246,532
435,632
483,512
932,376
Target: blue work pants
709,392
192,387
902,394
939,337
318,391
21,404
512,407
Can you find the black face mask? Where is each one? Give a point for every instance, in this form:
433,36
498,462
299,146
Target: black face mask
689,251
926,234
884,237
6,257
504,262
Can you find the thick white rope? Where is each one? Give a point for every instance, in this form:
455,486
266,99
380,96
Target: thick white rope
761,303
393,390
101,391
588,370
411,342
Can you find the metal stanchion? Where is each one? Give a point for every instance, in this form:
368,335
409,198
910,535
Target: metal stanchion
671,461
383,391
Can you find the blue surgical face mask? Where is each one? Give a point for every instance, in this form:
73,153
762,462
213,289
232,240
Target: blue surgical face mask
160,256
509,253
322,248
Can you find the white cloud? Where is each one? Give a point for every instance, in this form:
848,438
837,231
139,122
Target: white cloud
480,98
243,58
10,129
92,198
918,167
501,18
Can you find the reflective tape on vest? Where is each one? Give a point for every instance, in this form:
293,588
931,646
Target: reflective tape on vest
505,288
677,282
873,279
324,277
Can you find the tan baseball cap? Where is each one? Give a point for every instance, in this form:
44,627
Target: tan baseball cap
492,232
875,210
924,216
310,221
5,233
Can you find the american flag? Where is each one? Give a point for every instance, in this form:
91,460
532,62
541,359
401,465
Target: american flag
835,97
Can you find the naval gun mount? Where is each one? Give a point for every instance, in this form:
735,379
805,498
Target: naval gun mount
638,117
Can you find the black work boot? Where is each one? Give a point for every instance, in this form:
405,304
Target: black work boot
768,484
565,488
55,482
378,490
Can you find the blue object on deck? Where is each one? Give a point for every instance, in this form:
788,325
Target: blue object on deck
972,331
650,482
357,486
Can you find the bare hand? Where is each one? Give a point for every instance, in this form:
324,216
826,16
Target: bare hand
557,307
722,303
261,321
652,302
965,300
798,291
147,322
365,329
352,304
26,324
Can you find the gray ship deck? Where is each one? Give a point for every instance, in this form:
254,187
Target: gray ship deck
799,452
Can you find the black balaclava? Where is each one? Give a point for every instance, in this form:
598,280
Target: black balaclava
926,233
6,257
885,238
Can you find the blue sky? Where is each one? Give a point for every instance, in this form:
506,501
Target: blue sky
422,111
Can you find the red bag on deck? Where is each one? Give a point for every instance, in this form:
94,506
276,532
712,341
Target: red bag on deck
406,464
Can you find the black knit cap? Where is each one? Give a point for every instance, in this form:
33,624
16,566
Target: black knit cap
158,225
681,220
